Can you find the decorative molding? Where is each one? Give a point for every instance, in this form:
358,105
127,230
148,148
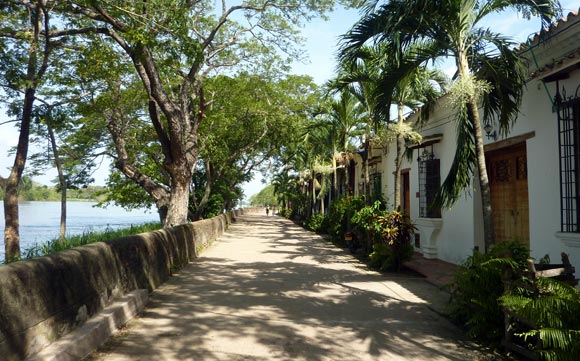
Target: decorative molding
429,222
509,142
428,228
569,239
427,141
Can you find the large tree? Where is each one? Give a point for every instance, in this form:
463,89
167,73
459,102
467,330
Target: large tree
250,119
174,46
489,71
25,55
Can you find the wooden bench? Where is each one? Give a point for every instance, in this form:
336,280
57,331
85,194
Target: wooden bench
563,272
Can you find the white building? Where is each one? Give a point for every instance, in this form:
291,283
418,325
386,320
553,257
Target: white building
534,171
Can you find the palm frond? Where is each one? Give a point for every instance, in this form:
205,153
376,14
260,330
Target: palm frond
547,10
461,172
504,71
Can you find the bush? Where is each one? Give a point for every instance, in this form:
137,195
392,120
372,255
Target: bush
387,258
553,308
316,223
340,213
394,246
287,213
367,225
477,285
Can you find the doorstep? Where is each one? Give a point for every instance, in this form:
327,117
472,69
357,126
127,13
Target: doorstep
436,271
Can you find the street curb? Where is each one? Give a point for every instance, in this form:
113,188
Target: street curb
96,331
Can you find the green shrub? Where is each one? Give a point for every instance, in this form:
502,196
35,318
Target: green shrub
57,245
315,223
394,245
367,225
287,213
339,215
477,285
553,308
387,258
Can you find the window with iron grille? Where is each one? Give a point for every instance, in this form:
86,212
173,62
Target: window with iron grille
568,142
429,182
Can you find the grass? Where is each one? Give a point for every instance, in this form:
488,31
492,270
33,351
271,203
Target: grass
57,245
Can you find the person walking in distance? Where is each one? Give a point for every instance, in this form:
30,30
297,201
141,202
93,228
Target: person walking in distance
267,211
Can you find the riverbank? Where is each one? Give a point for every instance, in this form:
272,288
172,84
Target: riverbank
58,245
34,192
39,221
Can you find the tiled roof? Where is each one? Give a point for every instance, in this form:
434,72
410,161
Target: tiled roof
547,59
572,16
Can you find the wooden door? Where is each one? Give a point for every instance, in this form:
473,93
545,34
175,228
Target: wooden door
405,193
508,176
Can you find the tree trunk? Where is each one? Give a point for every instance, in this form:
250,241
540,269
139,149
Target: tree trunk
11,221
178,201
62,182
11,215
335,174
398,159
347,176
485,190
313,195
489,238
368,151
159,193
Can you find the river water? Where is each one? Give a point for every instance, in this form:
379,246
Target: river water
40,221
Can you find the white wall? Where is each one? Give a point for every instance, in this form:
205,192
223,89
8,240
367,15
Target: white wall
543,169
454,241
462,225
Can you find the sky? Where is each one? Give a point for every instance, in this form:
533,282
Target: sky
320,46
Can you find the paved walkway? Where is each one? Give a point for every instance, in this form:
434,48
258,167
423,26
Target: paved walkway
268,290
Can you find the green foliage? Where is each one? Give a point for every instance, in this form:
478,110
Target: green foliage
394,247
454,28
214,206
32,191
552,311
388,233
389,258
287,213
366,221
477,285
57,245
265,197
340,214
316,223
123,193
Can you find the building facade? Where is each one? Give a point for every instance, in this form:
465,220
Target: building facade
534,170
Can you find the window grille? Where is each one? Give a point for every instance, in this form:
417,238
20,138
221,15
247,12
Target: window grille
429,183
568,144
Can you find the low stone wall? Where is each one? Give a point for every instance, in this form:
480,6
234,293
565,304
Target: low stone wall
45,298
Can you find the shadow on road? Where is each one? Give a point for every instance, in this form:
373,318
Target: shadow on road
270,290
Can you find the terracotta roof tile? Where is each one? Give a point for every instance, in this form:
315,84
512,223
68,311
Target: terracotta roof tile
570,17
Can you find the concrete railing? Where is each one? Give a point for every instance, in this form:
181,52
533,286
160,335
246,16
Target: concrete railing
45,298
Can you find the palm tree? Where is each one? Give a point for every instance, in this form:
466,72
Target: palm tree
419,88
360,78
377,71
489,71
332,131
283,183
